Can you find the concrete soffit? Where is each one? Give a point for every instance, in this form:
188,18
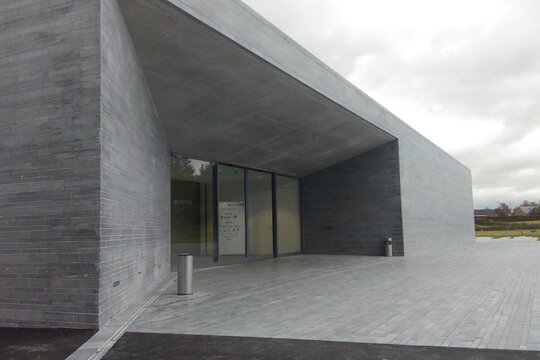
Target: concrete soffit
218,100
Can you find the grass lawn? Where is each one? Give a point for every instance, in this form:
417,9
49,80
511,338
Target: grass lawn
508,233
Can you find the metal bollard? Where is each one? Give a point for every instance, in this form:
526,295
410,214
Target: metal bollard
389,247
185,274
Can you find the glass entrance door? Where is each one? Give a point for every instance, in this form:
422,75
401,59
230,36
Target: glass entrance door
259,209
289,233
232,214
192,196
224,213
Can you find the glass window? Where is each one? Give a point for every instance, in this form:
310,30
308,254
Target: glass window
192,209
244,204
288,215
232,235
259,201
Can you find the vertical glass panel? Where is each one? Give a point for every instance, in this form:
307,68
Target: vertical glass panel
288,215
259,200
232,235
192,210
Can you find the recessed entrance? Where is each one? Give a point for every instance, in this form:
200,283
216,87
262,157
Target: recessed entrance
224,214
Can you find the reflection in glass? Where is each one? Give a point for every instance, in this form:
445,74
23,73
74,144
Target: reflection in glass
259,200
192,209
232,234
288,215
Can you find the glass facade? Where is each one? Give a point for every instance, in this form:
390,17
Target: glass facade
288,215
192,196
223,213
260,226
232,213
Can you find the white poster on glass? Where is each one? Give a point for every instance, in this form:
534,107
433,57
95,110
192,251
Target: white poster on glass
232,228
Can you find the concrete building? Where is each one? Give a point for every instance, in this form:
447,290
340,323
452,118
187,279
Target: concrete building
132,130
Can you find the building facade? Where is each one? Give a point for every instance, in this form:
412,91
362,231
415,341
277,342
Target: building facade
133,130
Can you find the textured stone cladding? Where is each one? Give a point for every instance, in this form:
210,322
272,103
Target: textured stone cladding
354,206
436,197
135,174
84,167
49,163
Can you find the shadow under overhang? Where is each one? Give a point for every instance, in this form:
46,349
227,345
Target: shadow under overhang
217,100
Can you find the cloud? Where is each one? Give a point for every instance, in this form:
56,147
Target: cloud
465,74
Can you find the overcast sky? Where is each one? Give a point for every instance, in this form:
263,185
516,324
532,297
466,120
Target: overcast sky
465,74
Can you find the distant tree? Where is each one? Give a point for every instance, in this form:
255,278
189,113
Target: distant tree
205,172
182,169
503,210
535,211
528,203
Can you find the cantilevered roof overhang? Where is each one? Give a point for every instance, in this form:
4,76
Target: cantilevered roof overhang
218,100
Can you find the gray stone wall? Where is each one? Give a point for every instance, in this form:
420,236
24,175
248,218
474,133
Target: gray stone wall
436,196
84,167
354,206
135,174
49,163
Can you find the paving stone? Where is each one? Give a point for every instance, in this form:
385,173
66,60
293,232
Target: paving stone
484,297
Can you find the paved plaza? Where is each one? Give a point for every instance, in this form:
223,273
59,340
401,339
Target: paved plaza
485,296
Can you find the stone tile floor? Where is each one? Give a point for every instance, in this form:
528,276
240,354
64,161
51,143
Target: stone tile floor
486,296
